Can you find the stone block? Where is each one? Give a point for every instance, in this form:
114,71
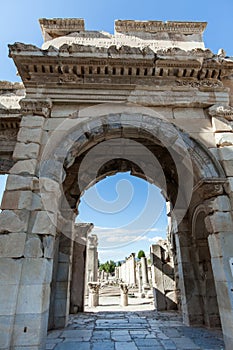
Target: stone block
207,138
50,201
26,151
61,290
63,124
224,139
60,307
49,185
225,297
10,222
226,153
63,272
228,186
32,122
24,167
33,248
16,200
191,125
49,246
228,167
168,283
220,124
17,182
44,223
30,331
215,152
33,298
218,269
36,202
12,245
219,222
10,271
220,203
27,135
53,170
6,326
63,111
186,113
36,271
8,299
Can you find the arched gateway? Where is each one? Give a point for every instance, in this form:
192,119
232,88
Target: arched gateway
149,99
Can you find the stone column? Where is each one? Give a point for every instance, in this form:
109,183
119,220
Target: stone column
117,272
139,278
92,259
78,267
93,294
102,276
145,281
124,294
220,225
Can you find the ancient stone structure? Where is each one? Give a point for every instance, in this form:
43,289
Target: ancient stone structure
80,263
149,99
124,294
93,294
92,259
127,270
163,277
144,269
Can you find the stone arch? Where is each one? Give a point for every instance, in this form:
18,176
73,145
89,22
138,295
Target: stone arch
61,162
82,135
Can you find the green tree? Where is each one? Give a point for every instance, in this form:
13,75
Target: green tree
141,254
108,266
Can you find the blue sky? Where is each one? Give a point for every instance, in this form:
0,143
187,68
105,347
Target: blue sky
19,22
129,214
19,19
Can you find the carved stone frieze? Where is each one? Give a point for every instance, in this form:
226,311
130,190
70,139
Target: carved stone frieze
6,165
8,134
221,111
200,83
36,107
124,26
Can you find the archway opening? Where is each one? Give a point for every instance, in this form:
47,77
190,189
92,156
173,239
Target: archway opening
129,215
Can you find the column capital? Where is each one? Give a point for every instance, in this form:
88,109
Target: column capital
94,287
36,107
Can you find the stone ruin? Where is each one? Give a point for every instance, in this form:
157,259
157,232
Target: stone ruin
149,87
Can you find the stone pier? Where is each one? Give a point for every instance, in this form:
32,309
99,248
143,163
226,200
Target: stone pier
78,267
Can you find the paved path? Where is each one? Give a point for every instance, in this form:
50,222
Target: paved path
142,330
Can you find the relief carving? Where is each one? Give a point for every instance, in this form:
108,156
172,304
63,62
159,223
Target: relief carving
6,165
200,83
8,134
221,111
36,107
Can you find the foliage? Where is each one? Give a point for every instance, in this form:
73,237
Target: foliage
108,266
141,254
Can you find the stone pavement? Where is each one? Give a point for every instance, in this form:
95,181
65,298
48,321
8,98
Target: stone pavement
141,330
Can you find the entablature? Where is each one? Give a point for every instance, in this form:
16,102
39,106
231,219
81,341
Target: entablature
73,64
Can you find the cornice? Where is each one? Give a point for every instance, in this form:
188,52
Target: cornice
221,111
71,64
130,26
55,27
